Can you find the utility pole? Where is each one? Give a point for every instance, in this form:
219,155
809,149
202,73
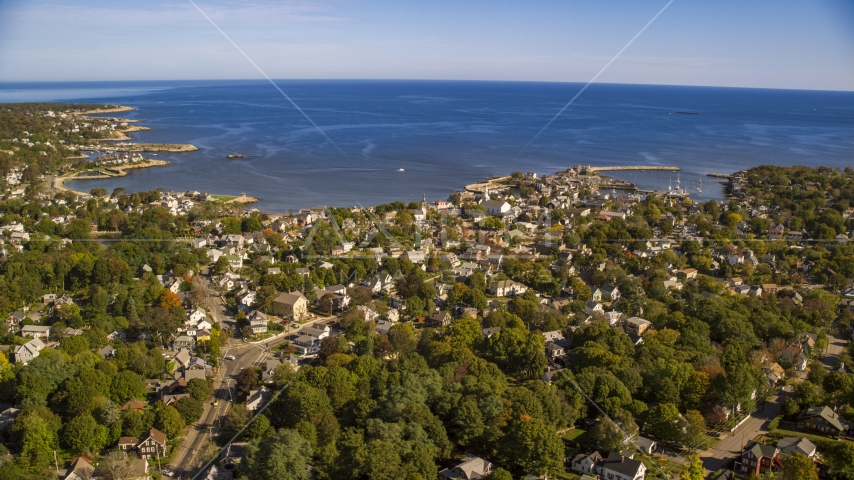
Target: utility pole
56,463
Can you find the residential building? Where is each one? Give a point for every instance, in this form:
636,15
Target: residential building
470,468
507,288
258,398
28,351
611,293
184,341
646,445
496,207
257,321
821,419
291,305
621,467
791,445
758,459
81,469
637,326
439,319
152,444
36,331
587,463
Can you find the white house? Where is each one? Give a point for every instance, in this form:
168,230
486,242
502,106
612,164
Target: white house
257,321
619,467
196,316
318,331
496,207
507,288
28,351
257,398
582,463
790,445
35,331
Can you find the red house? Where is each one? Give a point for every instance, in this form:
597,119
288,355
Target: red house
758,459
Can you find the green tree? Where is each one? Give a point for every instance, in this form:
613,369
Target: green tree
247,381
500,474
403,338
84,434
799,467
382,461
126,385
693,468
221,265
37,428
465,332
169,421
74,345
199,389
531,446
190,409
839,456
664,421
251,224
258,427
284,456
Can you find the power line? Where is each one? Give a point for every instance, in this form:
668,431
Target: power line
264,74
551,120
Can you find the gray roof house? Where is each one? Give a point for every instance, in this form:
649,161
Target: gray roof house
470,468
791,445
35,331
28,351
619,467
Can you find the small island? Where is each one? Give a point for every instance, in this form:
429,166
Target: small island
234,156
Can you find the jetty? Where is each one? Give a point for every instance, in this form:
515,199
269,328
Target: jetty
140,147
718,175
669,168
112,171
480,187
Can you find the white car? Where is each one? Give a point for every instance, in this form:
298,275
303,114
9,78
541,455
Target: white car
229,357
167,472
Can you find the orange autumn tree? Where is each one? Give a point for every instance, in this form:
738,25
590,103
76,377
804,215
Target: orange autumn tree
169,299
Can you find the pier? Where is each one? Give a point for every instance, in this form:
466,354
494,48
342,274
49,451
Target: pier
669,168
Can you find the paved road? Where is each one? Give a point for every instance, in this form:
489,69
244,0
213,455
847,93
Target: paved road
186,460
836,345
733,444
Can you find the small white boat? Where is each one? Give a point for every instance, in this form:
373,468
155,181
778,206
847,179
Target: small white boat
399,169
698,189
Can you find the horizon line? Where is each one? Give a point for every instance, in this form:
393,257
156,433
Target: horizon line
10,82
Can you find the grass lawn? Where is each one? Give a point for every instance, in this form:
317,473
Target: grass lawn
781,432
224,198
574,434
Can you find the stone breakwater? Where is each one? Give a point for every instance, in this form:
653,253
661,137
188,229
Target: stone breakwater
141,147
668,168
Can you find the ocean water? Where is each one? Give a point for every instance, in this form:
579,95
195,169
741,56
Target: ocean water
446,134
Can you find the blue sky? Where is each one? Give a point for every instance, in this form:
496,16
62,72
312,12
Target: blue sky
806,44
